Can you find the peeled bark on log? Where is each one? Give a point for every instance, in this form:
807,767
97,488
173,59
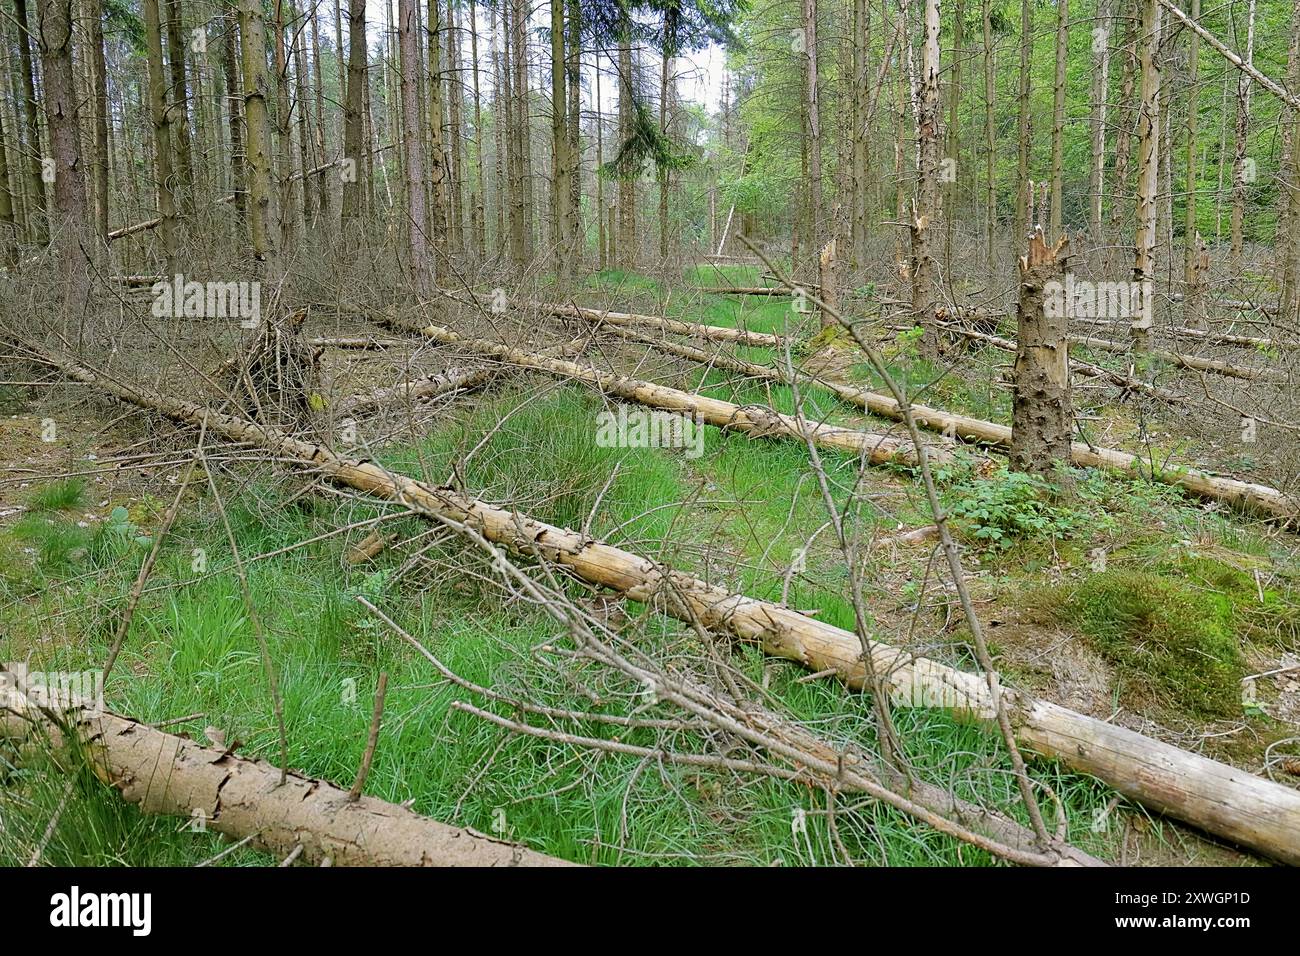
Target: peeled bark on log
163,773
1220,799
362,344
753,420
745,290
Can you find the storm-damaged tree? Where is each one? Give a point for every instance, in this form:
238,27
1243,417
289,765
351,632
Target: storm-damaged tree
1148,162
1042,413
926,205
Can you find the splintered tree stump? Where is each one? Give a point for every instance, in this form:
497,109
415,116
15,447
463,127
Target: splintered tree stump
1042,413
276,378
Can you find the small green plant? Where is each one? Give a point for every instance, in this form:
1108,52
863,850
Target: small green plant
58,495
1008,507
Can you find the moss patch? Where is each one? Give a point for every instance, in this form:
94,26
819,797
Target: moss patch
1172,639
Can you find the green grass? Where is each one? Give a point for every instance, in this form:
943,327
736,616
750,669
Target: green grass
58,495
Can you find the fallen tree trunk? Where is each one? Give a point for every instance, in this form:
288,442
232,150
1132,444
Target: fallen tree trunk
714,333
744,290
420,389
753,420
163,773
1087,368
1211,337
1220,799
1249,496
361,344
1190,361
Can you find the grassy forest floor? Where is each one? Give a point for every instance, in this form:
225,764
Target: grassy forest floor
1126,600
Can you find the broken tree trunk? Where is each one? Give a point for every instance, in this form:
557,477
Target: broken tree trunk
1042,411
754,420
166,774
829,286
1220,799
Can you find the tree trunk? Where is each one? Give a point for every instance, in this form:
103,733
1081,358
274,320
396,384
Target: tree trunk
626,236
456,166
926,210
1100,92
37,219
480,156
178,107
99,71
1058,116
573,71
8,224
1042,413
353,142
1241,130
167,774
561,166
1121,195
816,225
289,211
162,134
990,145
1148,163
234,97
322,179
1025,125
305,135
252,31
418,259
1191,237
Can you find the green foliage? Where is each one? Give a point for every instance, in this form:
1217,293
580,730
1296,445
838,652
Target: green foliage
646,142
1010,507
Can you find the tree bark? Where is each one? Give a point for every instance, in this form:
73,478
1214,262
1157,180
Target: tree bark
252,31
1042,412
353,104
167,774
37,221
926,209
418,259
178,106
1058,116
1148,162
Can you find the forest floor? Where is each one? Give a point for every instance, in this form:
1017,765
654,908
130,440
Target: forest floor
1127,601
